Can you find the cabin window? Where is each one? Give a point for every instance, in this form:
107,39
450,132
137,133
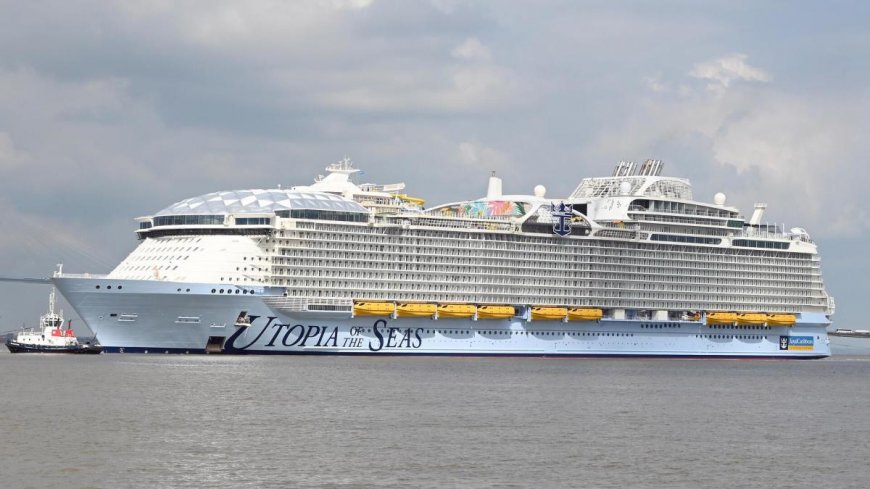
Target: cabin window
188,220
253,221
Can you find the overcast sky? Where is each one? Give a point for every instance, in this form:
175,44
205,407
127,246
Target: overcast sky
112,110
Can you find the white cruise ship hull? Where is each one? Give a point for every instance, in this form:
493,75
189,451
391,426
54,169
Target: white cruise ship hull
141,316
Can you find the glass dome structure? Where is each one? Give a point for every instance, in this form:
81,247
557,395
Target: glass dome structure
260,201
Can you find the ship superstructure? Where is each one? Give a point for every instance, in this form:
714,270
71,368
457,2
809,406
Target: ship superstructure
627,264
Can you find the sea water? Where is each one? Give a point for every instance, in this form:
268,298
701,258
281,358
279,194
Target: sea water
116,421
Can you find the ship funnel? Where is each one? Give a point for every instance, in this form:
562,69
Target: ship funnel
651,168
757,214
623,168
493,191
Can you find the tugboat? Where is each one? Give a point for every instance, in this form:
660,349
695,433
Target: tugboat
51,336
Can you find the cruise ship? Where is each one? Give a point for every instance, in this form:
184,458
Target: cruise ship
626,265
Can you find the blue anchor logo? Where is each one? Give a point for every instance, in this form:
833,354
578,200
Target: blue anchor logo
562,214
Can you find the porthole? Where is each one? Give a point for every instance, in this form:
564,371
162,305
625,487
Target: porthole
222,291
213,291
98,287
120,287
108,286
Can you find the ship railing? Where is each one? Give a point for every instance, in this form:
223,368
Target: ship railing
500,223
708,213
685,212
81,275
453,217
680,219
755,233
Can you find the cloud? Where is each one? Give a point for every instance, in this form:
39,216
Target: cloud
472,50
109,111
266,23
446,6
39,236
655,83
73,135
9,156
769,144
723,71
453,89
803,153
481,157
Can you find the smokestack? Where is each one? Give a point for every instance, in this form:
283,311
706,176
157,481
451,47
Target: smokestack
757,214
493,191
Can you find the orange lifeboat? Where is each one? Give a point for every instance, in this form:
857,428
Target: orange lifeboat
373,308
495,312
751,319
548,313
781,319
583,314
415,310
456,310
721,317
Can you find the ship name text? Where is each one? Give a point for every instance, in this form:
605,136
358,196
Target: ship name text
375,338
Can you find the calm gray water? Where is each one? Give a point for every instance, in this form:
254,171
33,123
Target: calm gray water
113,421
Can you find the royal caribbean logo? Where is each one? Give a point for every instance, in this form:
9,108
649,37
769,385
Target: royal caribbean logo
562,216
796,343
